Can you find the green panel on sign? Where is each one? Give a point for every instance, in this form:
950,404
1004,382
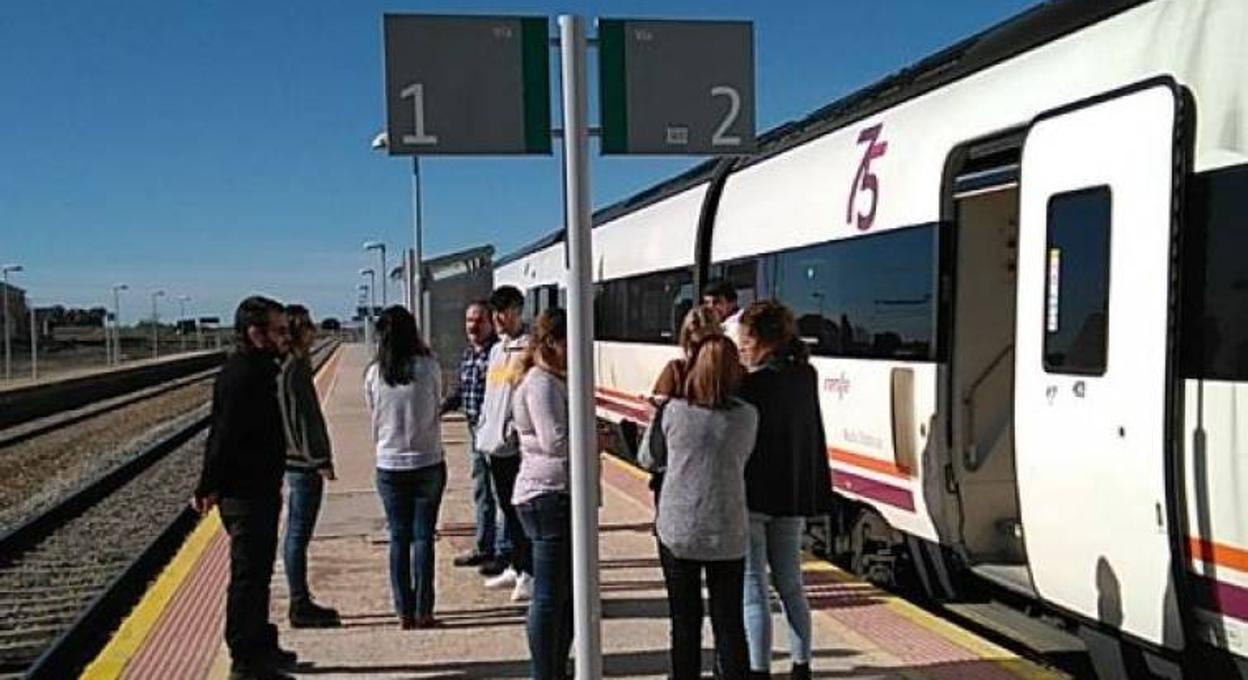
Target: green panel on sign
535,56
612,97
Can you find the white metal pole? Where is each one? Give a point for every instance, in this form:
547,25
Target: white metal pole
116,326
34,345
8,357
108,338
418,283
155,330
587,614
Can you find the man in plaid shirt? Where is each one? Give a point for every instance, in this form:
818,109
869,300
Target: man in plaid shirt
467,396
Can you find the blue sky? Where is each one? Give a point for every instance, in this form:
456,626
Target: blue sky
216,149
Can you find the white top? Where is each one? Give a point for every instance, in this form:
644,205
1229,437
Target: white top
540,406
732,327
405,423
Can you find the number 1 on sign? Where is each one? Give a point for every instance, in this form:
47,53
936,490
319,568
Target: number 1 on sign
416,91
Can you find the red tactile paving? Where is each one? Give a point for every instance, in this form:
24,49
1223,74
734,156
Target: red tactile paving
184,641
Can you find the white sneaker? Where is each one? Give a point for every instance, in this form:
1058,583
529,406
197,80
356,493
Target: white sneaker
506,579
523,589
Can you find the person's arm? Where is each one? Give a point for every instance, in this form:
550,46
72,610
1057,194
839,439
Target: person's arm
370,380
224,421
455,400
668,383
548,408
311,419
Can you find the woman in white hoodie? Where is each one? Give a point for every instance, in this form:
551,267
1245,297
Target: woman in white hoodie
403,389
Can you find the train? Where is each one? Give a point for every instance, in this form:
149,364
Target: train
1021,265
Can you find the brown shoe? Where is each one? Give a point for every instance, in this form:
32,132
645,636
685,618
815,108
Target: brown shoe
407,622
427,622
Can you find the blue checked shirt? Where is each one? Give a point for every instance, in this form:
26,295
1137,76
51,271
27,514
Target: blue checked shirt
470,390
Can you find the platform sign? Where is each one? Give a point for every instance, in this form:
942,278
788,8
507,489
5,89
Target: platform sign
676,87
467,84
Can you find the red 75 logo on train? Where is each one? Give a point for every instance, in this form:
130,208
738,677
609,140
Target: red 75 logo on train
864,179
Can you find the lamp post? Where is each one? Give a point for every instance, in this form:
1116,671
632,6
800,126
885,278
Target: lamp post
34,343
381,248
8,356
182,300
117,322
156,324
366,292
380,143
372,288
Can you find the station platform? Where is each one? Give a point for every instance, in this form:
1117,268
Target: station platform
176,631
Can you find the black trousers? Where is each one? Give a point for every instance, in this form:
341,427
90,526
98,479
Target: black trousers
725,583
252,526
503,471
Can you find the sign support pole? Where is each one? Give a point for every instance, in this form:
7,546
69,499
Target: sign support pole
417,284
587,610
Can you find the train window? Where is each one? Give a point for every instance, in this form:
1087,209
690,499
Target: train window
871,296
645,308
1076,309
1214,338
742,274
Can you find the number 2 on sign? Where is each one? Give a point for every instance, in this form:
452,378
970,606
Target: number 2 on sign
864,179
416,91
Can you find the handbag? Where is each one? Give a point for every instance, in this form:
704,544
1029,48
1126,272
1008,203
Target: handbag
652,449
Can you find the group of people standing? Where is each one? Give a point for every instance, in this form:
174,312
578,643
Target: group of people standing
738,450
736,445
266,425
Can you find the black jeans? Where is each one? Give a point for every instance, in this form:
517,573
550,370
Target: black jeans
504,471
725,583
547,522
252,526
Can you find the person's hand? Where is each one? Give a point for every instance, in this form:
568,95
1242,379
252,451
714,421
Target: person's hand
328,474
203,504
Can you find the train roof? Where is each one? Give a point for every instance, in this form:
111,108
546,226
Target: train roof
1026,31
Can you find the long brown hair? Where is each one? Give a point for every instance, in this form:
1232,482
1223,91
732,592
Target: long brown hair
715,372
773,324
550,329
699,324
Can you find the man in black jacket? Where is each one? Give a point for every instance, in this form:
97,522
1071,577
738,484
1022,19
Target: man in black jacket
243,465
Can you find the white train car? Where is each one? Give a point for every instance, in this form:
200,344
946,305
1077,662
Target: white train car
1022,267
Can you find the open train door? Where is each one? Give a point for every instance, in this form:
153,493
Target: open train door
1100,184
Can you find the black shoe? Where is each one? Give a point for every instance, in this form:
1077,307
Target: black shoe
800,671
256,671
279,660
308,614
760,675
494,567
472,559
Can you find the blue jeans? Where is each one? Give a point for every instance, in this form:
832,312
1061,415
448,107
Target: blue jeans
302,506
775,541
490,541
547,523
411,499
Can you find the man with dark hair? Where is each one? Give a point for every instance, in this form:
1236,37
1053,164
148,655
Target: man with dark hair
467,396
720,295
497,437
244,460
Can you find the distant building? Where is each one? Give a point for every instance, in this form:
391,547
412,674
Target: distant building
450,282
19,328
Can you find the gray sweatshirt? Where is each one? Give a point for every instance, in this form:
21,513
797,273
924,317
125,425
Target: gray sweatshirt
307,439
702,510
406,427
541,412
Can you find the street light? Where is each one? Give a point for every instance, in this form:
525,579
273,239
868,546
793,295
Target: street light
372,288
156,324
182,300
8,356
381,248
117,322
381,143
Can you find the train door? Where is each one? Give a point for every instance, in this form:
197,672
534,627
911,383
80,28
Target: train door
981,354
1093,382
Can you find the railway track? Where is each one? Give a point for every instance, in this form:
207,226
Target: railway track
70,573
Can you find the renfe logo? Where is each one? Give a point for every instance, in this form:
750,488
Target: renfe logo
865,180
838,385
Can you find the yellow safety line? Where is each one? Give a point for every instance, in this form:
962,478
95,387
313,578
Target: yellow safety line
126,642
138,625
984,649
